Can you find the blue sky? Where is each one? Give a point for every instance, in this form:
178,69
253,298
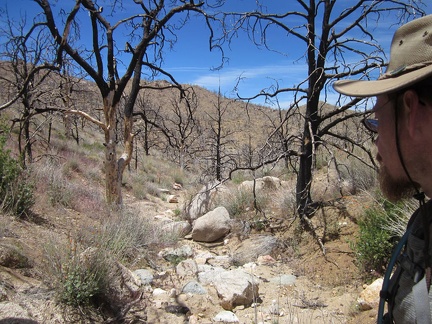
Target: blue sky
190,61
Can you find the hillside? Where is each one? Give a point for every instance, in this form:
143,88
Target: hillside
41,255
325,289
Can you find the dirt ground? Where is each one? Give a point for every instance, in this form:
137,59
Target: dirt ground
325,291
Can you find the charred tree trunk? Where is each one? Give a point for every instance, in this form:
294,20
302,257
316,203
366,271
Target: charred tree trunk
112,185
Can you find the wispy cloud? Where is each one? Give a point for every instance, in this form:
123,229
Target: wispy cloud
257,76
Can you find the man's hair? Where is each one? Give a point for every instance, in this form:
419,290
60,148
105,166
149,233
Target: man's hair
422,88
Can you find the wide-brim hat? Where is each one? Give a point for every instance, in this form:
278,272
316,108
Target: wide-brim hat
410,62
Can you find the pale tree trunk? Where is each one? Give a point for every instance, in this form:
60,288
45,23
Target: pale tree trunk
182,154
114,167
112,186
126,156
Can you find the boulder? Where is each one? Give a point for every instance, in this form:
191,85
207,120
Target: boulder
212,226
258,245
201,203
207,273
124,284
369,297
11,257
266,183
236,288
177,229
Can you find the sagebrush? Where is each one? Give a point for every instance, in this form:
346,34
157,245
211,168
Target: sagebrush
16,190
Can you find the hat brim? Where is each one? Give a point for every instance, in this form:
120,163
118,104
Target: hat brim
366,88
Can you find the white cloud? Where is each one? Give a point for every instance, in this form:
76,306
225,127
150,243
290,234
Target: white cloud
262,76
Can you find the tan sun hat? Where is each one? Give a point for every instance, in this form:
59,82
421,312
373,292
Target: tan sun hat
410,62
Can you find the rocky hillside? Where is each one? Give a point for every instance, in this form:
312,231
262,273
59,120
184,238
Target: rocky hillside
195,267
177,252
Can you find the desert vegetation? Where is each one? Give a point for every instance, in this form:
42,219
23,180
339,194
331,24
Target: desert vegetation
79,257
89,159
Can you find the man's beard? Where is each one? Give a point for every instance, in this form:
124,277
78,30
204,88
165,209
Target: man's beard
395,189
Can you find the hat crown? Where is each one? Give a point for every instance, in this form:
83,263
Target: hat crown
410,62
411,46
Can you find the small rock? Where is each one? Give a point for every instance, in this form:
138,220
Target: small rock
266,260
177,309
187,268
201,258
224,261
193,287
159,292
369,297
236,288
284,280
226,317
172,199
145,275
177,186
182,252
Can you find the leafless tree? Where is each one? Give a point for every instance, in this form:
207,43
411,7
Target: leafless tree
148,135
325,31
24,72
219,142
150,25
178,125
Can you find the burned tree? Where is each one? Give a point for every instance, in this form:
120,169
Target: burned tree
325,32
104,59
25,69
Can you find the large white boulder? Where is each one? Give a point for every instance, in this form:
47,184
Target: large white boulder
212,226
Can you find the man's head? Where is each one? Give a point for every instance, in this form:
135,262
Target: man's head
403,111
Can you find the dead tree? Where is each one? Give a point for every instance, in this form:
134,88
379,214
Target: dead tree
324,29
219,141
176,121
24,71
149,25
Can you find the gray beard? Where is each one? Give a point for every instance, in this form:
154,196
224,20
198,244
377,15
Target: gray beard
395,190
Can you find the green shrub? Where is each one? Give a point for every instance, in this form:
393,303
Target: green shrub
241,201
16,190
81,269
126,234
78,275
179,178
79,286
239,176
60,192
373,246
377,236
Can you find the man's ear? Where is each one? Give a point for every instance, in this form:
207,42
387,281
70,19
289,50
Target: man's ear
412,112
